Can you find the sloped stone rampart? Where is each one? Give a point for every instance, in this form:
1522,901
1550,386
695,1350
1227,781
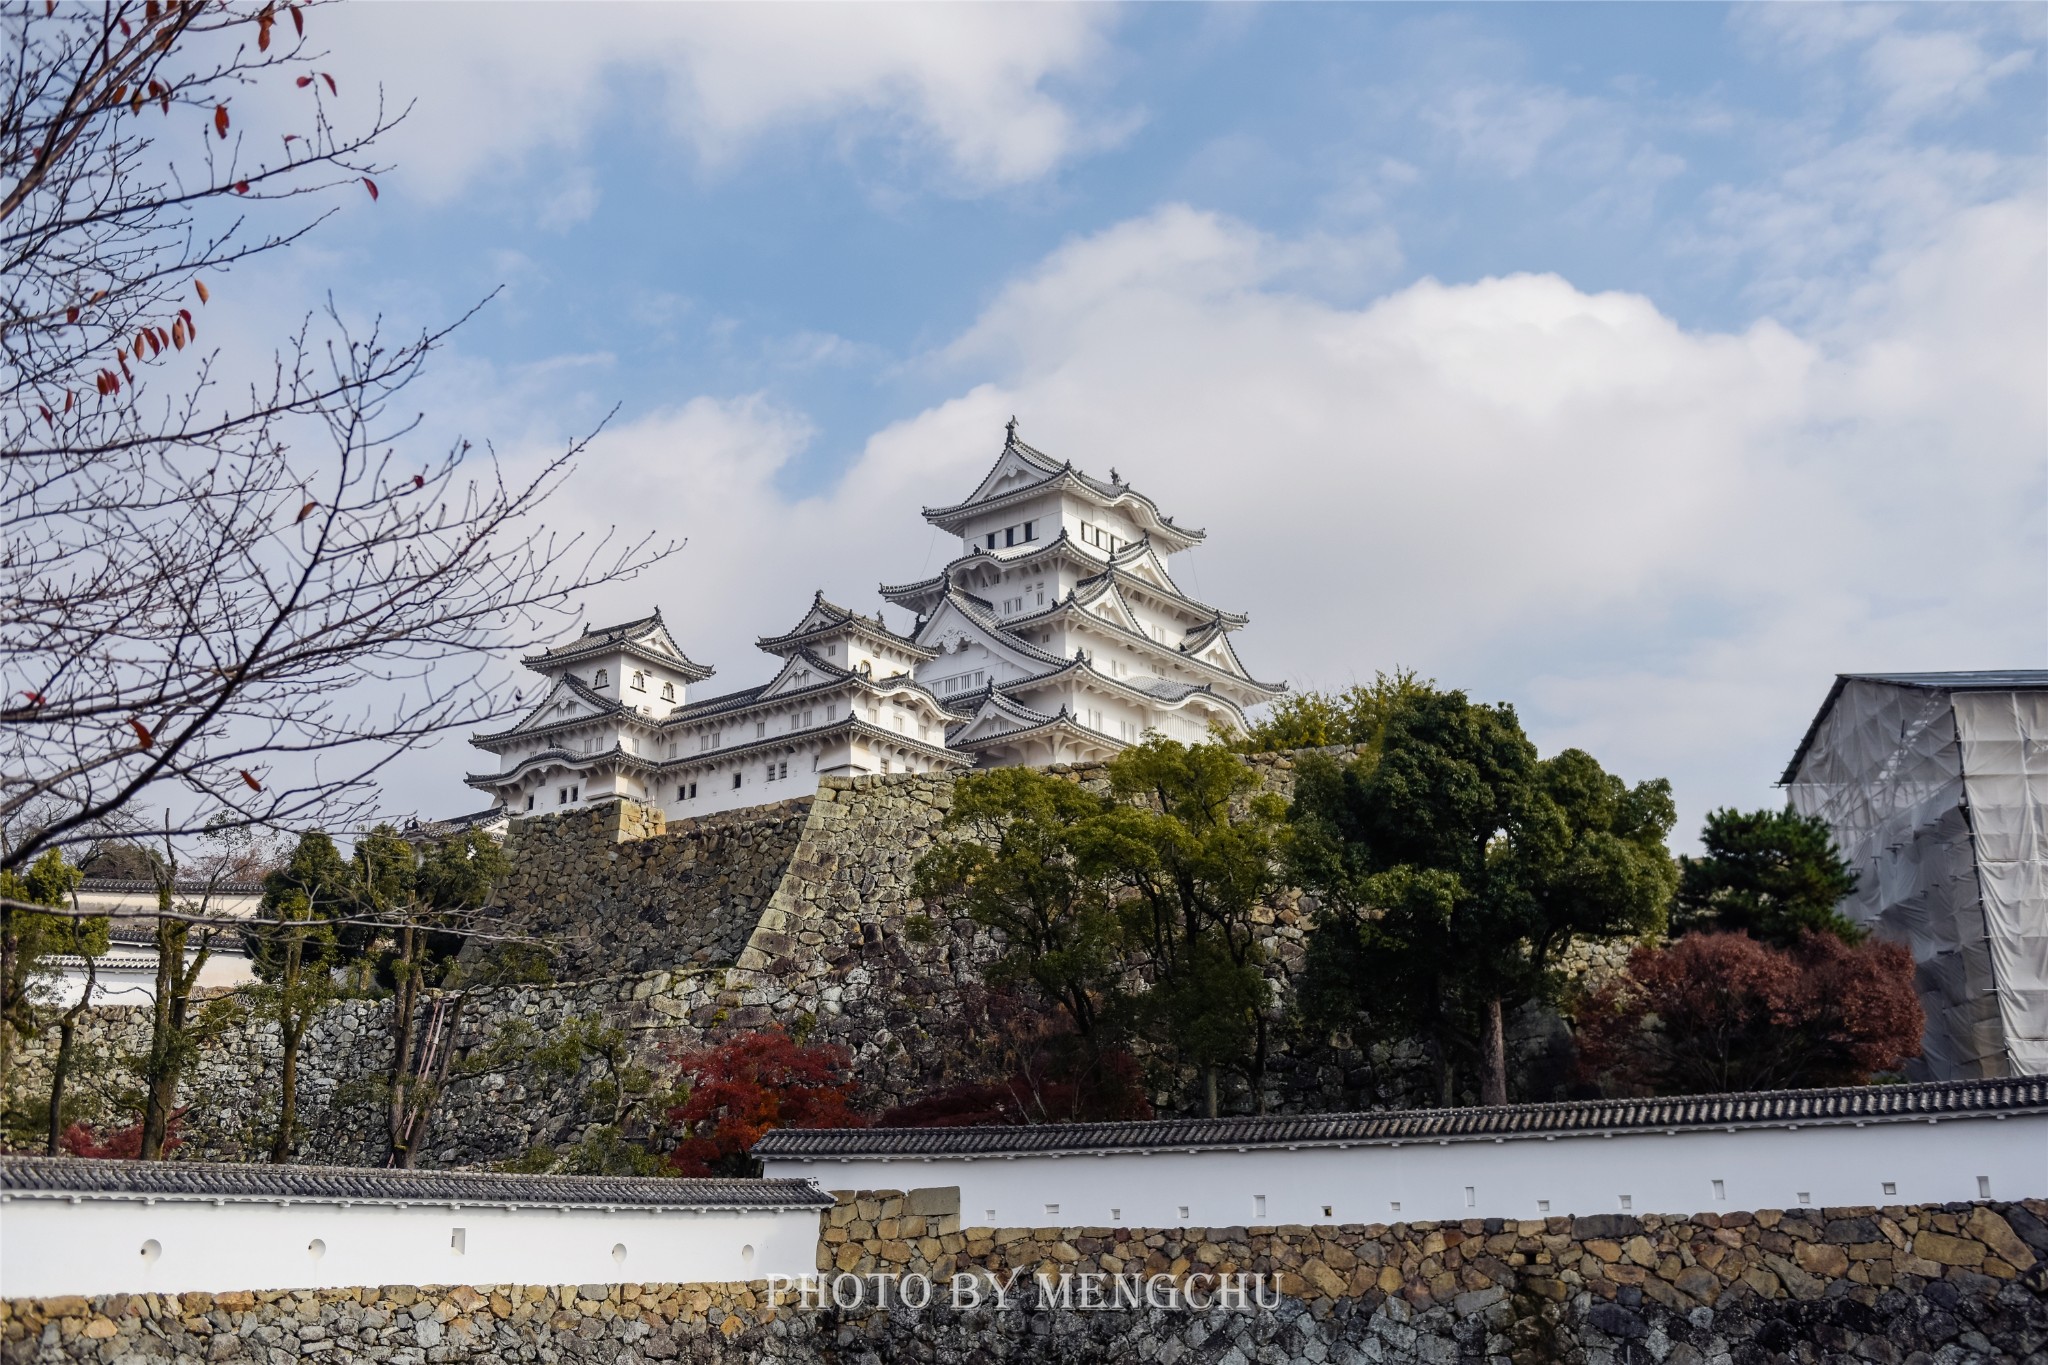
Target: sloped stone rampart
1900,1285
617,891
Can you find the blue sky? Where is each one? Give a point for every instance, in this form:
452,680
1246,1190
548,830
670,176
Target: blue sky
1642,365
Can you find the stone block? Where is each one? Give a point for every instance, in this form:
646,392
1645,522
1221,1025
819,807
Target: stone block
1945,1250
934,1201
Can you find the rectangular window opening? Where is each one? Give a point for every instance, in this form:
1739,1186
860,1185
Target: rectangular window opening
1183,1213
1543,1206
1258,1206
1328,1212
1720,1189
1395,1206
1116,1215
1471,1197
1983,1187
1806,1196
1052,1210
991,1217
458,1240
1628,1201
735,781
1891,1187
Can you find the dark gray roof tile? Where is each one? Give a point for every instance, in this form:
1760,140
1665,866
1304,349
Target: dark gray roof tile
38,1175
1774,1108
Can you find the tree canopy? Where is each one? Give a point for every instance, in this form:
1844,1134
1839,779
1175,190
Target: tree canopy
1455,868
1772,874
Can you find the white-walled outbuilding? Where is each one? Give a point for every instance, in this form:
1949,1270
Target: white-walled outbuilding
70,1226
1877,1145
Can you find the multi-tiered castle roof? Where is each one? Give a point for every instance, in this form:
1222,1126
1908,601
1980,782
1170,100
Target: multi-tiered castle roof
1057,634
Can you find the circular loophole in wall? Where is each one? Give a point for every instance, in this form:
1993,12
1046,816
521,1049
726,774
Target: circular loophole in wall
151,1249
746,1255
619,1253
316,1248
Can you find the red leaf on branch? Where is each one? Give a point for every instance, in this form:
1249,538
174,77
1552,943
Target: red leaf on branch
220,119
48,416
419,481
71,313
305,512
298,20
263,33
241,187
178,334
290,138
332,88
303,82
372,186
126,32
200,285
67,400
250,778
142,734
34,698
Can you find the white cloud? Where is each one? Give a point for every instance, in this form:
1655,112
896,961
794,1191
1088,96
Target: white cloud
972,90
1660,543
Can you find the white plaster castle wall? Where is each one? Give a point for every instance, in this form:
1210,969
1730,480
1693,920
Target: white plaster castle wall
1683,1173
109,1245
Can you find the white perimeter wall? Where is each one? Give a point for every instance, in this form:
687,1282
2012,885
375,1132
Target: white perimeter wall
1767,1168
104,1246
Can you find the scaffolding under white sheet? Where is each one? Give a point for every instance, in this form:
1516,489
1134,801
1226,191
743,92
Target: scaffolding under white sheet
1936,787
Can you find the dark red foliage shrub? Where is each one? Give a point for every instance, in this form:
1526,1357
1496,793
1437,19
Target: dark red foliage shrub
1058,1081
123,1144
1722,1012
747,1085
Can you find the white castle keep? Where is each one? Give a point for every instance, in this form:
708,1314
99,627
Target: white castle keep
1057,636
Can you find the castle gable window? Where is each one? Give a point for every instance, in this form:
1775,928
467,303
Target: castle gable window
668,691
603,678
639,681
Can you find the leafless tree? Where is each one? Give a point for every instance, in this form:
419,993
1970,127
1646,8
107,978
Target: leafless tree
235,598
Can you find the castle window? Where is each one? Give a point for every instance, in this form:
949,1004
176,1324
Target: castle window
529,800
562,796
1009,535
639,681
735,781
668,691
760,728
991,540
693,791
603,679
1030,530
782,770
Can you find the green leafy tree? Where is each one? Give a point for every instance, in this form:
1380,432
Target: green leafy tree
1198,846
295,958
1318,720
1030,869
1774,875
427,896
1455,869
1135,912
28,942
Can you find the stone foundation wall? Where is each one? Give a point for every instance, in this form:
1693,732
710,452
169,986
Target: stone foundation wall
1948,1284
799,915
617,891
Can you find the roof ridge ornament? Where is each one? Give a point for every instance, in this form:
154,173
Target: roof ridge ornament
1010,430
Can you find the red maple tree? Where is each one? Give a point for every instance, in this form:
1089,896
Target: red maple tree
1721,1012
124,1144
747,1085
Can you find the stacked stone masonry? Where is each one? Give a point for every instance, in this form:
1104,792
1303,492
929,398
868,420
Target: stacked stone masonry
1899,1286
793,915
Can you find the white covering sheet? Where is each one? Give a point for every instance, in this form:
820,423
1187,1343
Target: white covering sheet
2004,738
